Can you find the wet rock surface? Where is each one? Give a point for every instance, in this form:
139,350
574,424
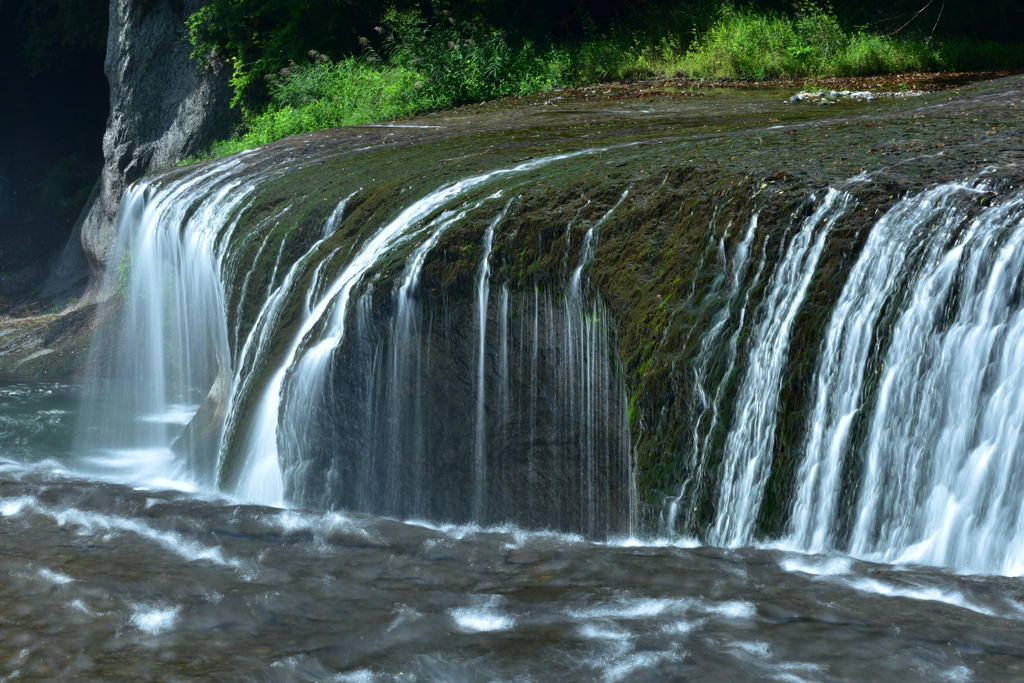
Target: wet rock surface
398,430
46,345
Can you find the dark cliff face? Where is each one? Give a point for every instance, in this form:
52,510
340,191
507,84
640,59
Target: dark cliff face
164,106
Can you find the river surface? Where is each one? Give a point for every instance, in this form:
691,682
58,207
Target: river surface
111,574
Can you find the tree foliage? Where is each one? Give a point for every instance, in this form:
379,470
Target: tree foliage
55,33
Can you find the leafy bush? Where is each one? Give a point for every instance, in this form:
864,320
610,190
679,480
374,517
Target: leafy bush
465,62
328,94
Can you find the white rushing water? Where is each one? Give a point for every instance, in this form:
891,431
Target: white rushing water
925,348
915,231
483,289
748,449
704,425
922,358
224,375
167,268
943,482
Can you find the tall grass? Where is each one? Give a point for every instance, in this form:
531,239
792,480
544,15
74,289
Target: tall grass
760,46
329,94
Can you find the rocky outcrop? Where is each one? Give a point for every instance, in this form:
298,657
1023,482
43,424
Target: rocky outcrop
164,107
47,345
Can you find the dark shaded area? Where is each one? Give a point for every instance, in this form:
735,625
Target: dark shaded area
52,119
943,19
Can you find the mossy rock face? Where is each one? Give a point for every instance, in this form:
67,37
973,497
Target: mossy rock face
649,204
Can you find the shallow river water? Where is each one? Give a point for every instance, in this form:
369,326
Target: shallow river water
107,576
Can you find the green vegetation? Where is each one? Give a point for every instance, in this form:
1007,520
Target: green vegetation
328,94
743,44
418,60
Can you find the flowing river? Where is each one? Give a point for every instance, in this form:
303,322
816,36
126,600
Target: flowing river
128,582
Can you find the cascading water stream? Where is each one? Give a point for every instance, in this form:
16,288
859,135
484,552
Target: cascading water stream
942,482
483,288
707,421
915,231
399,420
588,246
749,445
261,480
168,258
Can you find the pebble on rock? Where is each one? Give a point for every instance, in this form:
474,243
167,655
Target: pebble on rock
833,96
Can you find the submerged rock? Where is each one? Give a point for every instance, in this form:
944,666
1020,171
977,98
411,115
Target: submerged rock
833,96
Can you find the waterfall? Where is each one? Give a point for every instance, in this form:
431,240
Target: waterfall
914,417
942,480
704,425
483,288
545,442
290,356
751,439
894,247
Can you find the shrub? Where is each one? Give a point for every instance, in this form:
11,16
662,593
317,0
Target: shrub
465,62
759,46
328,94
